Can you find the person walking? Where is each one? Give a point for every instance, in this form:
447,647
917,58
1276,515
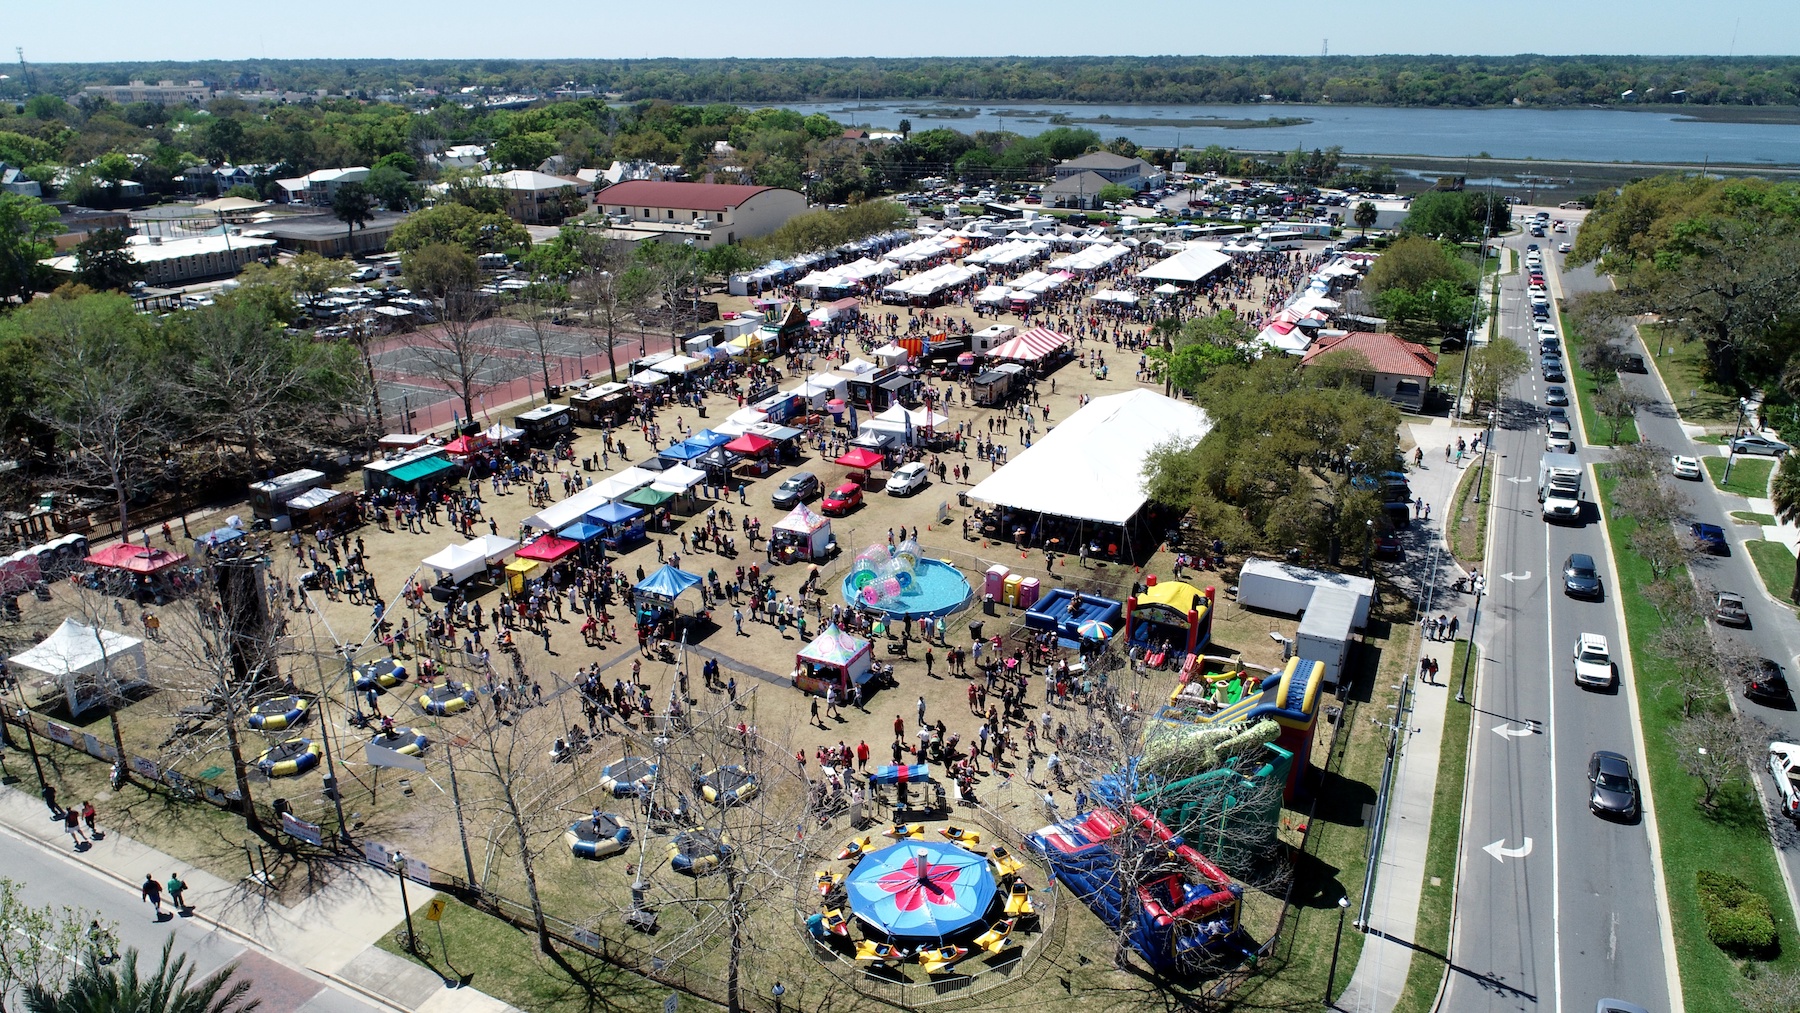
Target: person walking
72,827
88,815
49,794
921,710
152,892
177,892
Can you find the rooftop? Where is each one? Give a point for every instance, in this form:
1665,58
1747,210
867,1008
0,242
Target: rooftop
1386,353
685,196
1102,160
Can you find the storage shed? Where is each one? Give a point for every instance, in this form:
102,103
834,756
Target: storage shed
1288,589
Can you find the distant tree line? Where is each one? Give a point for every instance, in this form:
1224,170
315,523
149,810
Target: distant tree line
1373,80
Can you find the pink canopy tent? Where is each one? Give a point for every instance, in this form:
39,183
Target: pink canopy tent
1029,346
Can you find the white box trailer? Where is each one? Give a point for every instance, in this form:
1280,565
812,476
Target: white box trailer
1287,589
1326,631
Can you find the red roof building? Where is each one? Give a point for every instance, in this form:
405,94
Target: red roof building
1400,370
708,213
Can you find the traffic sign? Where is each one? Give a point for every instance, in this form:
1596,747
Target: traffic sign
435,910
672,1002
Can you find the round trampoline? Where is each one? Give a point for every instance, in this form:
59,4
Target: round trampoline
598,838
285,759
383,674
932,588
698,851
921,889
279,713
627,777
406,741
727,785
451,698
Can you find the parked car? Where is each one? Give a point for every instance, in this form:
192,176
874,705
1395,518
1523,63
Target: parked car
907,479
1632,364
1611,789
1768,685
1710,537
365,274
1581,579
1593,661
1563,247
843,499
1753,444
1685,467
1387,545
1784,766
798,488
1729,609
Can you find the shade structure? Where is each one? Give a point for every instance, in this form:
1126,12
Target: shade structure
135,558
833,646
1094,629
649,496
613,513
686,450
901,774
457,562
921,889
667,583
548,548
861,457
581,531
91,665
750,443
708,439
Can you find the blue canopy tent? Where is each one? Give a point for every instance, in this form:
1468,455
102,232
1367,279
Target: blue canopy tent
686,450
582,532
215,540
621,525
708,439
653,599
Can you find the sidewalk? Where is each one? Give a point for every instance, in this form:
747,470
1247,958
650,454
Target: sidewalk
331,933
1400,875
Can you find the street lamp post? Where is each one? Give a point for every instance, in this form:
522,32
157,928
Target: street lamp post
1480,583
1331,979
397,862
1487,450
1731,448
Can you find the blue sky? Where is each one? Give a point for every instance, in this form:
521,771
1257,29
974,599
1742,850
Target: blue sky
109,30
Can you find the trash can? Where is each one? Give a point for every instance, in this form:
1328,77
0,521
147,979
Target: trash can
975,629
987,604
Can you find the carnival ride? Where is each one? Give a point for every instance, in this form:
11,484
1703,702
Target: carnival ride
898,581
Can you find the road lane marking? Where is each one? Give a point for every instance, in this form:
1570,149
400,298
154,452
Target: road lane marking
1516,577
1555,795
1507,731
1501,852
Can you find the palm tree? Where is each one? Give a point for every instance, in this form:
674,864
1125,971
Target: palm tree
119,988
1785,491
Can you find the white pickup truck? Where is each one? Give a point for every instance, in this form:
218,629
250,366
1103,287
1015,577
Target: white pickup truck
1784,766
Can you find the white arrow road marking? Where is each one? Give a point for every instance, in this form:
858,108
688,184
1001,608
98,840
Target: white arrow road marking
1515,577
1501,852
1515,479
1509,732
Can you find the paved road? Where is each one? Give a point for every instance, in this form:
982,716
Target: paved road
49,878
1576,919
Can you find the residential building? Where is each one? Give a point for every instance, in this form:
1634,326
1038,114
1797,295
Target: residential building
461,156
319,186
1080,190
175,261
162,92
535,197
708,213
1399,370
15,181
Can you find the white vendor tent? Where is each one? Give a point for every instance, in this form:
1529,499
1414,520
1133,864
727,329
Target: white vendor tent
1091,466
457,562
1190,265
91,665
494,548
502,433
563,513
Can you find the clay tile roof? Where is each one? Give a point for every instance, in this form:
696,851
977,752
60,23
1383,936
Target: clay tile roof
1386,353
685,196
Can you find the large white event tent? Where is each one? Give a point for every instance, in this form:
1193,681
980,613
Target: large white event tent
1188,266
1090,467
92,665
930,283
1090,259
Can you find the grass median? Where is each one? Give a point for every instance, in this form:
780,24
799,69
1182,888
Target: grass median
1468,517
1732,838
1775,565
1687,372
1437,898
1749,475
1584,387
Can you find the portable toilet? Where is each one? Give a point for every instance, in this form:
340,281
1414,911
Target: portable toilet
1011,595
996,581
1028,592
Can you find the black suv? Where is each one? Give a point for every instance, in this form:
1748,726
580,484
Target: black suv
1580,578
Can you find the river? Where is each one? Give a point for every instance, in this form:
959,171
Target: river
1587,135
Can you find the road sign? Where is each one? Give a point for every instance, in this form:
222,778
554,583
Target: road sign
435,910
672,1003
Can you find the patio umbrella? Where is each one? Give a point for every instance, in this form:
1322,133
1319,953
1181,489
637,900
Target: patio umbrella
1094,629
921,889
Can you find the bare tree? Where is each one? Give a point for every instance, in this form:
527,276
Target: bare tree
1618,405
459,350
509,754
1660,547
1688,647
1770,990
1712,747
613,294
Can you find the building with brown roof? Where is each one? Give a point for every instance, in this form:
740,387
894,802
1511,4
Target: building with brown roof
1399,370
707,213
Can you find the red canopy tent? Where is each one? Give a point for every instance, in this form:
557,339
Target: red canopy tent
465,445
547,549
861,457
136,558
1029,346
749,443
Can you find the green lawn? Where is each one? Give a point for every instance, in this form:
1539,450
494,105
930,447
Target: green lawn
1732,839
502,961
1775,565
1468,523
1582,387
1686,371
1435,903
1752,517
1749,475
